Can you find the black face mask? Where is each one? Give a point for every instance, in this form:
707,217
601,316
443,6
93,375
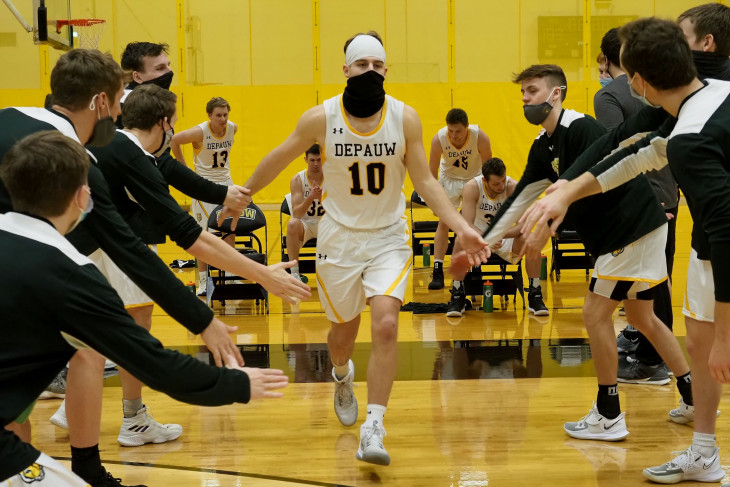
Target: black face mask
364,94
166,139
163,81
103,132
536,114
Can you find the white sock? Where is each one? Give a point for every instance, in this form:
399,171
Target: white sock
342,370
457,284
534,282
295,269
131,406
704,444
438,261
376,412
203,277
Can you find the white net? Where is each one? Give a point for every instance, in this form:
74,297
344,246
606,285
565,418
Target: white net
87,32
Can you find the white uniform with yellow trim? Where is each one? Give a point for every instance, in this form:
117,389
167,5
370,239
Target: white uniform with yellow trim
363,245
212,162
310,219
699,295
459,166
132,296
486,209
637,263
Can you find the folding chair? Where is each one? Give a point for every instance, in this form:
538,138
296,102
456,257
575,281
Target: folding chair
423,231
568,252
221,287
505,277
308,252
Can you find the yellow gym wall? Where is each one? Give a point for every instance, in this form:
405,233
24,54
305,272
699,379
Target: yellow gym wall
273,59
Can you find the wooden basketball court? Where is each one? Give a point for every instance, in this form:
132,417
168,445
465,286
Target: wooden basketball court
477,401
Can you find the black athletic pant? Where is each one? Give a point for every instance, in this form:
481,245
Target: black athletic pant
645,351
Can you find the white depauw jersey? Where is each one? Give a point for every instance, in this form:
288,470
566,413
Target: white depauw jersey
464,163
315,210
487,206
364,173
211,160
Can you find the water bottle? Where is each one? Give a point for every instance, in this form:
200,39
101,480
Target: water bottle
426,255
488,297
191,286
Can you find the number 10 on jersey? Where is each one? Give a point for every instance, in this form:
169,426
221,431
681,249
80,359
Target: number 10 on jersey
374,174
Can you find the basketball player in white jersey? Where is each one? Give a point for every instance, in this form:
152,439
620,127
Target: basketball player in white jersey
212,142
457,153
363,249
482,198
306,205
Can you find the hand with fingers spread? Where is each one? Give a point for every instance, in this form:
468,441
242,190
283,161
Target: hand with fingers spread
262,381
280,283
553,207
536,241
218,340
476,249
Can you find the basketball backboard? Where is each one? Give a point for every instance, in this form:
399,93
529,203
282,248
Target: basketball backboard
46,13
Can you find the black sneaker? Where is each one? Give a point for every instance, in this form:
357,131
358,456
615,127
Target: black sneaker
633,371
457,305
107,480
627,340
535,303
438,276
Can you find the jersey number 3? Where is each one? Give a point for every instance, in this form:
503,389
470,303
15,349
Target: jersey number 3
375,177
224,158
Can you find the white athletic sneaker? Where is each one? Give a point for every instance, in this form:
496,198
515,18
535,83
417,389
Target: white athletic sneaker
57,388
142,428
202,288
345,402
688,466
371,448
594,426
59,417
683,414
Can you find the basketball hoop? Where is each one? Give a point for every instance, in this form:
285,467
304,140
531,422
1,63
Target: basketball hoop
87,31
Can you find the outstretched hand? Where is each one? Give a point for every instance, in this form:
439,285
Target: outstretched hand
280,283
216,337
262,381
553,207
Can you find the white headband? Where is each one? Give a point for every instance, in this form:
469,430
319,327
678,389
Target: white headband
364,46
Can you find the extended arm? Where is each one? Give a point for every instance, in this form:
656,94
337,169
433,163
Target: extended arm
434,158
94,314
190,136
309,129
105,228
484,146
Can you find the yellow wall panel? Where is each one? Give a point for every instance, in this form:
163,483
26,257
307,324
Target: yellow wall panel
259,55
486,54
142,20
416,41
18,54
281,42
218,43
338,22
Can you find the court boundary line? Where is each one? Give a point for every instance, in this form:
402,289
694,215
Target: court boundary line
231,473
